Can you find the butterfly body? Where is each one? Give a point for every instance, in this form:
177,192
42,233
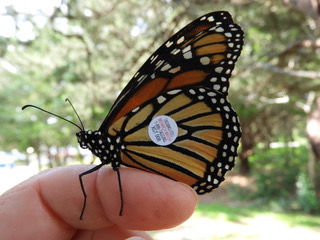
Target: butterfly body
102,145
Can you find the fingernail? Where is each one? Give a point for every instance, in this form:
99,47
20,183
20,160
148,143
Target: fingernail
134,238
191,190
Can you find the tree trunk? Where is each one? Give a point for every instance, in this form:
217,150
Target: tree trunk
38,159
247,144
313,132
244,167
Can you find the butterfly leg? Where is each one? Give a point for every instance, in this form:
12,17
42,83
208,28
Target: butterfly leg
82,186
120,190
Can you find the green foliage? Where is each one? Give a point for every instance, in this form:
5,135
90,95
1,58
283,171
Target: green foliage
306,194
278,169
280,182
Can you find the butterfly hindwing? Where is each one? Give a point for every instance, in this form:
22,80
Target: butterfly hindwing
201,54
204,148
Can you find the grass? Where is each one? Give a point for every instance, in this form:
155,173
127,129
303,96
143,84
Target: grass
237,214
221,222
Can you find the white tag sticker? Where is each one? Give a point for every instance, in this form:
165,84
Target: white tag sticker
163,130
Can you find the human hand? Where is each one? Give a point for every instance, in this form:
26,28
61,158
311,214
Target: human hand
47,206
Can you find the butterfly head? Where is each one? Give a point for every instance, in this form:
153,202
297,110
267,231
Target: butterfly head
82,137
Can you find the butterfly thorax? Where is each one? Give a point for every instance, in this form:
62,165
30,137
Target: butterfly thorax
101,145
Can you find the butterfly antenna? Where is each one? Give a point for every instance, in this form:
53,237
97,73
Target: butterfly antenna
67,100
41,109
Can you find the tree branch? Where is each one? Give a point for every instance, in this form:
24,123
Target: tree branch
295,47
300,73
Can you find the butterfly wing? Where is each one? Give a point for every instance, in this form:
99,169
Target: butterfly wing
201,54
208,132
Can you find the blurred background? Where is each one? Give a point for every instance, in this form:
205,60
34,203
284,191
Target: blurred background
88,51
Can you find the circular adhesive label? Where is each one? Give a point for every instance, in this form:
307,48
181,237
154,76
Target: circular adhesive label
163,130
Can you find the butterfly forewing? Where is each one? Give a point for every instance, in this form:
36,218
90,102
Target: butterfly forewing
201,54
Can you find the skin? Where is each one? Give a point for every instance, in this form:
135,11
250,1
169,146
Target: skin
48,205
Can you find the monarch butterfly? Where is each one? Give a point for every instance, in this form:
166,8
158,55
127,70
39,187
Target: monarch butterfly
173,118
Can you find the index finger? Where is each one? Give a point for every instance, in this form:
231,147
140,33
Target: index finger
150,201
49,204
